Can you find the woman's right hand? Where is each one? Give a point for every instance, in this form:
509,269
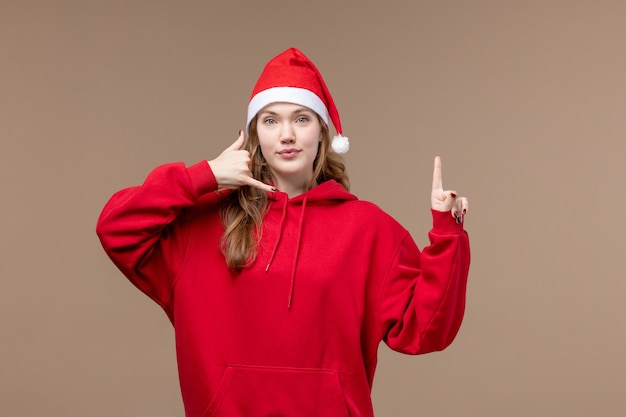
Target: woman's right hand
232,168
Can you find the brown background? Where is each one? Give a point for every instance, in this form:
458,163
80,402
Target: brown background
525,101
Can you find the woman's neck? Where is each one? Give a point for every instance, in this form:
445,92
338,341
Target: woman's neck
293,187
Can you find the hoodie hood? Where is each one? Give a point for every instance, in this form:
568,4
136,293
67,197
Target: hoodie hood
327,193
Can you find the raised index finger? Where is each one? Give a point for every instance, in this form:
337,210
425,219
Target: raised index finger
437,181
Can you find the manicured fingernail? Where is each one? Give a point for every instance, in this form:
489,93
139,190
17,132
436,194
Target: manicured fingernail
240,131
459,220
274,189
464,211
453,195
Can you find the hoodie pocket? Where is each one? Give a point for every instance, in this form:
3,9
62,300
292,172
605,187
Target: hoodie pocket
252,391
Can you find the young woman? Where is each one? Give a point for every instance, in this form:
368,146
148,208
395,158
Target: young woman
281,284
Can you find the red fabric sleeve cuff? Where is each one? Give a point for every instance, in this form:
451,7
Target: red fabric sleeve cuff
202,178
445,224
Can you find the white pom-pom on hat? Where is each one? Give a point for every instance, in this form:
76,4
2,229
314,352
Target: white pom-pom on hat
340,144
291,77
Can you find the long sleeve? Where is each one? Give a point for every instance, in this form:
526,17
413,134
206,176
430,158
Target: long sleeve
423,300
136,226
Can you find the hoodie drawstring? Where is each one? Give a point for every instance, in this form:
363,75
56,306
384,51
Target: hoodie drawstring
280,234
296,255
295,259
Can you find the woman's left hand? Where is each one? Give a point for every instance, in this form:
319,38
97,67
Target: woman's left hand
447,200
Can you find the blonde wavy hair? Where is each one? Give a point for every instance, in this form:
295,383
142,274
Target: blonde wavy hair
242,210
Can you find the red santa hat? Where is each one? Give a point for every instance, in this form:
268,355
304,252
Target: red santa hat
291,77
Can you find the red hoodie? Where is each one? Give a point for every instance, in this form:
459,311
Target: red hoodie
296,333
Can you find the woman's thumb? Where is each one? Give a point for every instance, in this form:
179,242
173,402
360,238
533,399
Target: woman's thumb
238,143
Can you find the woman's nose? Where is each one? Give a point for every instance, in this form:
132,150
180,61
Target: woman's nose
287,134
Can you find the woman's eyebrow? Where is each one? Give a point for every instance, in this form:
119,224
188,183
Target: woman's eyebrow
296,111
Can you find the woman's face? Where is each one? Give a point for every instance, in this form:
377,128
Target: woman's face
289,137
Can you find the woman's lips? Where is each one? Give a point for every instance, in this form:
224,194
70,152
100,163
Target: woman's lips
289,153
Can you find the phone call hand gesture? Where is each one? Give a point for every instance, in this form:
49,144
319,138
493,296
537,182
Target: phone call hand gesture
232,168
446,200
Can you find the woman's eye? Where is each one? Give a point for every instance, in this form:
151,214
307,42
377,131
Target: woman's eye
302,119
270,121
